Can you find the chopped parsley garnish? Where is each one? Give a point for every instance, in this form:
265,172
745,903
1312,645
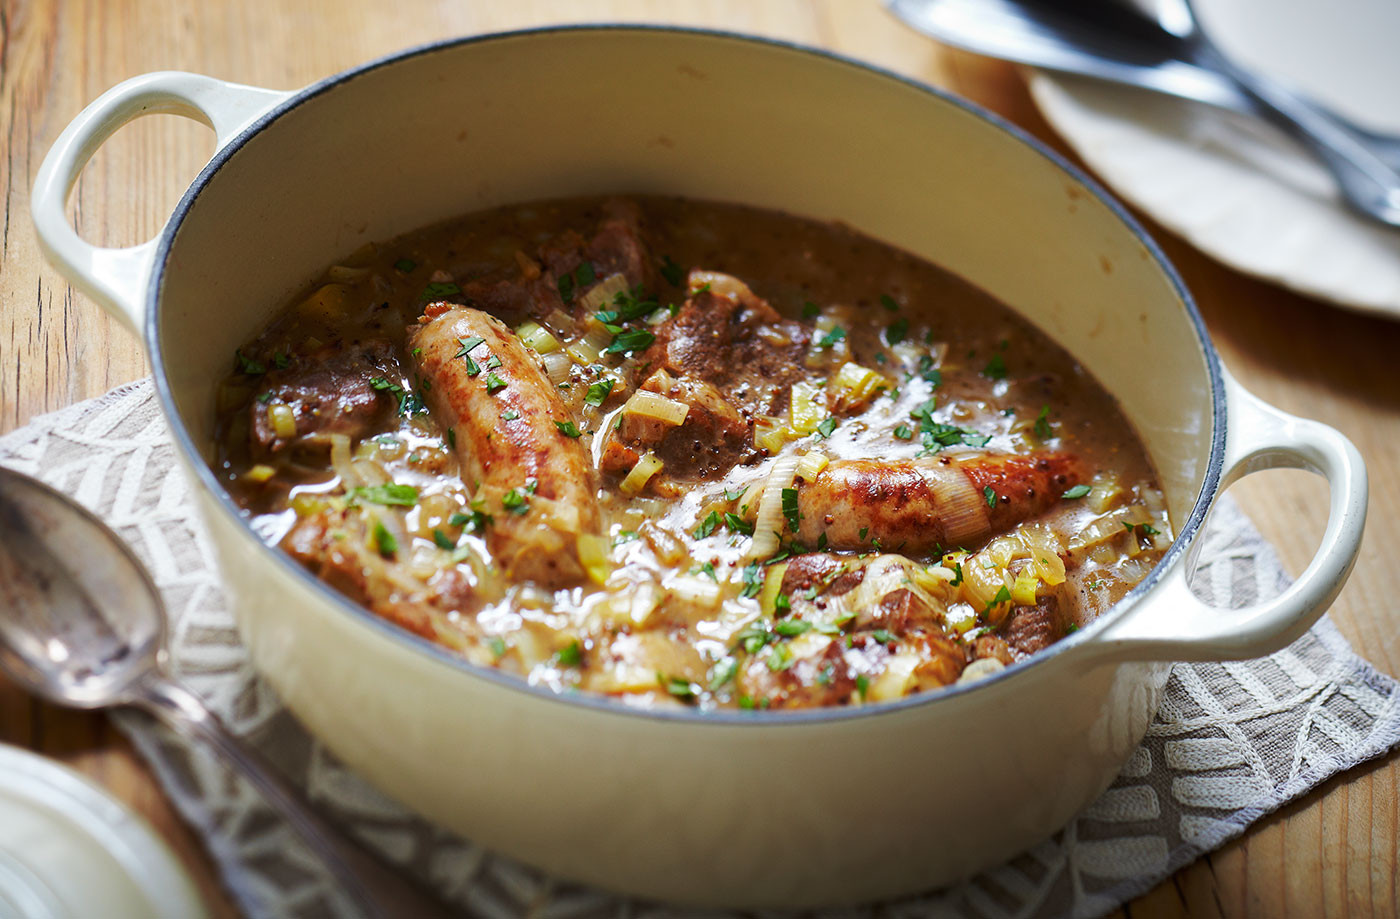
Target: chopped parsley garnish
630,340
516,501
405,265
679,687
790,511
753,636
990,494
598,392
472,367
281,360
821,542
247,365
709,568
497,645
439,290
566,287
791,628
707,526
753,580
862,685
475,522
996,367
584,274
1002,596
468,344
904,432
883,636
896,331
888,303
780,658
442,541
931,374
492,362
494,383
409,403
1142,529
1042,424
509,414
567,428
384,541
389,494
810,309
863,531
782,605
1077,491
830,338
735,495
722,672
938,436
625,536
265,397
957,575
827,425
737,524
673,273
571,655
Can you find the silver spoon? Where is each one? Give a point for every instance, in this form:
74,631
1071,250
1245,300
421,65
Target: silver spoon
1112,40
82,625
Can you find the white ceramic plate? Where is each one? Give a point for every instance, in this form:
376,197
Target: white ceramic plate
1236,188
69,850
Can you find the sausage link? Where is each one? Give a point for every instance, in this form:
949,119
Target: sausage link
502,423
920,506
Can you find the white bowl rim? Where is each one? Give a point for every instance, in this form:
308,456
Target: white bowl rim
596,701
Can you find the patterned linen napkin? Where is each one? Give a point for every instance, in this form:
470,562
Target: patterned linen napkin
1231,743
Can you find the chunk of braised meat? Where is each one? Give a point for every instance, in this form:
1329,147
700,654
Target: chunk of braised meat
329,392
335,546
731,338
710,441
1034,628
818,573
616,247
823,678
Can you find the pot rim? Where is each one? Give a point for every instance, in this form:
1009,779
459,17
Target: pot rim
601,704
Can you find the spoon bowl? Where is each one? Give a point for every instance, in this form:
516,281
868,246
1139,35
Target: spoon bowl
83,622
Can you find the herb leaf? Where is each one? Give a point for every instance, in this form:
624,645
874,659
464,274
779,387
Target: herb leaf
468,344
830,338
384,541
438,291
494,383
567,428
896,331
389,493
827,426
990,494
598,392
707,526
1077,491
630,340
790,511
673,273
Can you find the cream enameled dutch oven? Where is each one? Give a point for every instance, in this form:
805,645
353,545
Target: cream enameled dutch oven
744,808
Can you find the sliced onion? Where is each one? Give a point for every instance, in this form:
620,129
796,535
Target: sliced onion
344,274
962,509
650,405
283,420
769,525
557,365
648,466
811,465
601,295
340,462
719,284
560,323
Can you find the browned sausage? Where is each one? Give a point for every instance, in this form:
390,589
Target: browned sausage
918,506
502,423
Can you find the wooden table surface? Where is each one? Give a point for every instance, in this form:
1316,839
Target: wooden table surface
1332,854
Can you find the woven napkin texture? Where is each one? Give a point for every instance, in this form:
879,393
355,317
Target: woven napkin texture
1231,742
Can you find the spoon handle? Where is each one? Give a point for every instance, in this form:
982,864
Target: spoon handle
375,888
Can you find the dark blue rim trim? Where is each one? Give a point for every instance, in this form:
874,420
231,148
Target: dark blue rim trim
603,704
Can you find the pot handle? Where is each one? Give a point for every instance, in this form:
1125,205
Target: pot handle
1178,626
116,278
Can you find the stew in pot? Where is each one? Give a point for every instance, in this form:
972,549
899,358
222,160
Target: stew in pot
688,453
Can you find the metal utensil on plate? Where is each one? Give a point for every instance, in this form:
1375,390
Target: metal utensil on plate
1113,40
82,625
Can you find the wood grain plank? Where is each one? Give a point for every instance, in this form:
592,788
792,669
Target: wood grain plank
1333,854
